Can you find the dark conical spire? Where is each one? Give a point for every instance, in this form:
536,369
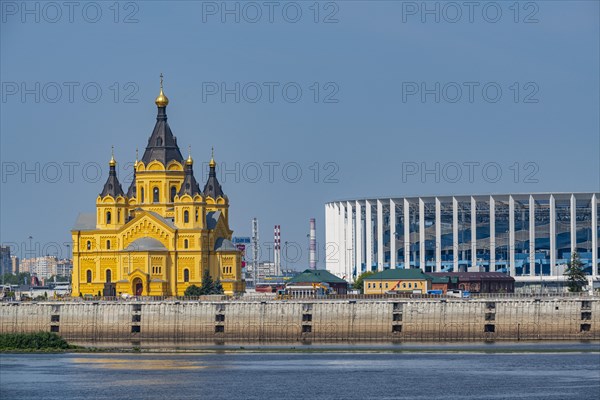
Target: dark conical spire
112,187
190,185
162,145
213,187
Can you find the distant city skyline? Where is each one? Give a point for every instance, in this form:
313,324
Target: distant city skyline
352,99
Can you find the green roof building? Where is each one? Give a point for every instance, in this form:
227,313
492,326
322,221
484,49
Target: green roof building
312,277
398,280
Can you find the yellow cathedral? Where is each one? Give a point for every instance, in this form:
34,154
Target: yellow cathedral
163,234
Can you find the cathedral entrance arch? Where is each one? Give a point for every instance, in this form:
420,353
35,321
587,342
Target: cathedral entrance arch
138,287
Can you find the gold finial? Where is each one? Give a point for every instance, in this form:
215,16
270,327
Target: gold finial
189,159
112,161
212,158
161,100
136,158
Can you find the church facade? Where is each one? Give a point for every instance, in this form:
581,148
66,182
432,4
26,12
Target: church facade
163,234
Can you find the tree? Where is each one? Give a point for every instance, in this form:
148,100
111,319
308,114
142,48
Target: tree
208,286
18,279
359,282
58,278
218,289
576,279
193,291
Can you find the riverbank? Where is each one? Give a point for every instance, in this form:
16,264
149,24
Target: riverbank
175,324
38,343
34,342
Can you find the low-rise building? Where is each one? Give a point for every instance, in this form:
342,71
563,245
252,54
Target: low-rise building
313,281
443,283
476,282
410,280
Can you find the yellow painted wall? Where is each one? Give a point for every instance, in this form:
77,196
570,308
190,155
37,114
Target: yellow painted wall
375,286
162,273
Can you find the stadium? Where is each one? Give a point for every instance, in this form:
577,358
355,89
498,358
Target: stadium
528,236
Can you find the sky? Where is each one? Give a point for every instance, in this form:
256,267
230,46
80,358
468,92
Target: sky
304,102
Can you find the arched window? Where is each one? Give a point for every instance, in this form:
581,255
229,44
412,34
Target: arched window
155,194
142,195
119,216
173,192
88,245
159,141
185,243
108,217
186,275
186,216
88,276
196,215
108,276
108,245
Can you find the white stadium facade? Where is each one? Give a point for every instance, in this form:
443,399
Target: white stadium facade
523,235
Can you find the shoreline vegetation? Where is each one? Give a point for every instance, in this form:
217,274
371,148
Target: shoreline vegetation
47,342
38,342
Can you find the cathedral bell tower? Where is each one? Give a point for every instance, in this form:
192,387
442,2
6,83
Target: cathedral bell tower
160,173
164,234
111,204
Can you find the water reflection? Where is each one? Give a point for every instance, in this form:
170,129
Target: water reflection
138,363
542,372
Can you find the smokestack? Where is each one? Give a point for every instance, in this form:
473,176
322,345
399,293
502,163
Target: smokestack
255,273
277,249
312,246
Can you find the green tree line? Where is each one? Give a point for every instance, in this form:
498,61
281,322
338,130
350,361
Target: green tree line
208,287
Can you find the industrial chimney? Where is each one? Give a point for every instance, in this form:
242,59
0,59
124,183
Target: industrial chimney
312,246
277,249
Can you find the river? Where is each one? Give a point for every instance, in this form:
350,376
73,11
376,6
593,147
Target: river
548,371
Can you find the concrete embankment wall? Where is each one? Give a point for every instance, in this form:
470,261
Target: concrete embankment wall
129,322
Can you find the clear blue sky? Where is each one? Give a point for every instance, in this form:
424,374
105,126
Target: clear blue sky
369,62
